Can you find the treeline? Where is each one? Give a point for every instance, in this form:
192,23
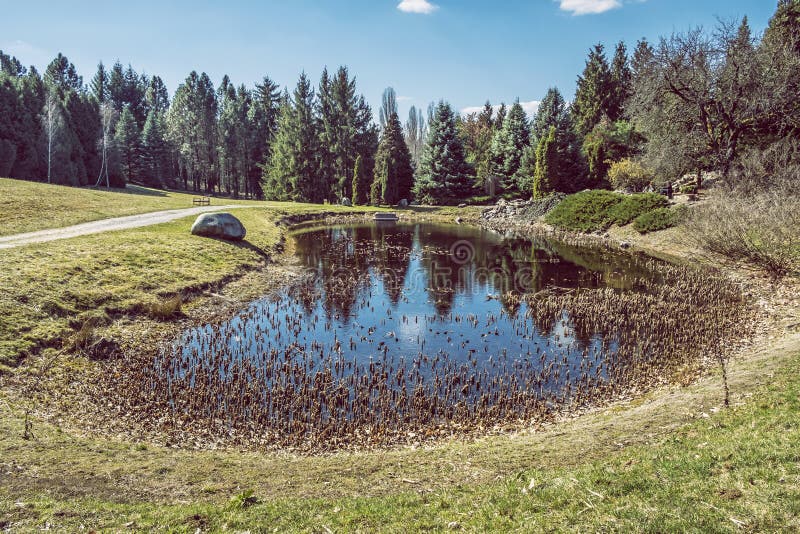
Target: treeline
691,103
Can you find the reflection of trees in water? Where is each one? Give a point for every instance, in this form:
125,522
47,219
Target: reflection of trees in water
391,258
508,269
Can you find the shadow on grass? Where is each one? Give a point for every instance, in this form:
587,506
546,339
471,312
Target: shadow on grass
131,189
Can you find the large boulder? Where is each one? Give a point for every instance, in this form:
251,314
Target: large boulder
219,225
403,203
346,202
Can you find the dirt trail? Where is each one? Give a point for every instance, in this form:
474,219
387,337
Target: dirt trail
107,225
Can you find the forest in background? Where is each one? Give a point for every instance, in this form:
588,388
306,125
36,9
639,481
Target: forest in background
720,100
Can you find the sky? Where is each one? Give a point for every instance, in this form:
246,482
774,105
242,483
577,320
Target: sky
463,51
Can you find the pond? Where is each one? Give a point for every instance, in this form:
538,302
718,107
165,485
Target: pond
399,331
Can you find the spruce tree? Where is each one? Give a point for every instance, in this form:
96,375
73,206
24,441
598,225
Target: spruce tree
393,171
444,173
154,150
293,173
552,112
620,84
127,142
545,179
500,117
99,84
591,96
508,145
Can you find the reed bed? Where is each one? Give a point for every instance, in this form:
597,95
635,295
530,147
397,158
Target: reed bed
300,372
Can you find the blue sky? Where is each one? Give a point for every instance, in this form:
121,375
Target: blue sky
466,51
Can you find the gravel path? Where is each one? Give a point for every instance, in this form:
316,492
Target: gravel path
107,225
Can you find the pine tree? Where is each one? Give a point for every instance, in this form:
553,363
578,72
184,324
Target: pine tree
62,75
156,96
293,172
346,131
545,179
500,117
444,172
620,84
127,142
263,119
154,149
99,84
192,127
393,172
477,131
591,96
552,112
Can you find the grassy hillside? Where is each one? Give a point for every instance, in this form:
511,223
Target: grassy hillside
52,289
30,206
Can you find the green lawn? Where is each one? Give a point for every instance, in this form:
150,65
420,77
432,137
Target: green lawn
31,206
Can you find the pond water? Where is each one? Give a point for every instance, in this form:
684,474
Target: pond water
399,327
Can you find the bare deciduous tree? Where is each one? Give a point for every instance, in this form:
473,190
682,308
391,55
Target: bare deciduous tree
108,116
51,123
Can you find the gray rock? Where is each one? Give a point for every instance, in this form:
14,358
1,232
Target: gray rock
413,203
346,202
625,245
403,203
462,205
459,220
219,225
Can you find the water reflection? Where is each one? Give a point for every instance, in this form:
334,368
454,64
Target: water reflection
402,326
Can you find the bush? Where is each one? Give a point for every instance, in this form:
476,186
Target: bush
586,211
633,206
657,219
763,229
629,174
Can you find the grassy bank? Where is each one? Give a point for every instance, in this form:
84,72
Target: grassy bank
52,289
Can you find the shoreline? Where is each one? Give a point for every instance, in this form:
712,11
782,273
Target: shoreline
215,305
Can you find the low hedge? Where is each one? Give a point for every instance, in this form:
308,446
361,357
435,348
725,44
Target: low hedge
657,219
633,206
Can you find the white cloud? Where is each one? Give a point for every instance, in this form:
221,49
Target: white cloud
417,6
530,108
589,7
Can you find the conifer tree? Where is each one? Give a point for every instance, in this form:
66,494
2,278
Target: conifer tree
546,179
551,112
620,84
293,172
393,171
99,84
362,181
154,149
591,96
127,143
444,173
508,146
500,117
